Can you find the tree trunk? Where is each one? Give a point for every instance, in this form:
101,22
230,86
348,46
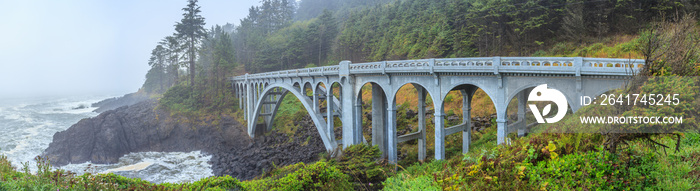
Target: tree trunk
192,62
160,79
177,69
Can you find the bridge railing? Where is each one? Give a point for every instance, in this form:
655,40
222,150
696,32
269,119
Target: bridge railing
531,65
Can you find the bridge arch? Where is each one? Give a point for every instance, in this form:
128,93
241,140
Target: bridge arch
429,90
297,86
525,89
421,128
320,84
372,120
490,91
333,109
362,83
319,93
466,92
329,143
308,89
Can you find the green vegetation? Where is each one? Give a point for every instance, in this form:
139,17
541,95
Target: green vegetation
47,179
318,176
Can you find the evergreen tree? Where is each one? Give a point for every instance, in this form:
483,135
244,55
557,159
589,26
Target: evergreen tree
191,30
157,71
173,49
327,30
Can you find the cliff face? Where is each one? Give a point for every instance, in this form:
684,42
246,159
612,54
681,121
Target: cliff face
142,128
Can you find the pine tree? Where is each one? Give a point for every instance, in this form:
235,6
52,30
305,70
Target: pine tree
191,30
172,47
157,63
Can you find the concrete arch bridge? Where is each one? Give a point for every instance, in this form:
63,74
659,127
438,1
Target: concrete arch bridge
501,78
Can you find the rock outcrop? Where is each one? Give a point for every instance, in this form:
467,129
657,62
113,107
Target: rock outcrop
144,128
114,103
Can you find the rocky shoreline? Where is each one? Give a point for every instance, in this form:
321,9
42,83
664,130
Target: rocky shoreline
142,127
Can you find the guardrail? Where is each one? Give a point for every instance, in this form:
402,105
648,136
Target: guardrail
525,65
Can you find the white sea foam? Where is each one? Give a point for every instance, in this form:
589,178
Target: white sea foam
28,127
172,167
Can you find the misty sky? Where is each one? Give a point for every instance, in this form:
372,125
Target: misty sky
84,47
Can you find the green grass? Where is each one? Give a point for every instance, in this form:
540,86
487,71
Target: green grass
46,179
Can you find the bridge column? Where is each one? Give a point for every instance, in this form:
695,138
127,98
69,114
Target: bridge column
250,107
244,95
501,114
502,125
379,119
466,119
237,94
316,103
422,148
522,127
268,109
329,113
391,137
255,97
357,133
439,130
347,99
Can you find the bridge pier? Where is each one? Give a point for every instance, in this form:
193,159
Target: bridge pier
357,133
330,116
317,103
501,123
392,140
348,100
439,129
249,109
379,119
467,95
422,148
522,125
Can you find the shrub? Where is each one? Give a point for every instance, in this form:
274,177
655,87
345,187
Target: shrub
179,99
590,170
318,176
361,163
402,182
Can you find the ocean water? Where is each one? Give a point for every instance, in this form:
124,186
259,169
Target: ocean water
27,127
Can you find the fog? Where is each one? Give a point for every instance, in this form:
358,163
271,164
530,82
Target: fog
60,48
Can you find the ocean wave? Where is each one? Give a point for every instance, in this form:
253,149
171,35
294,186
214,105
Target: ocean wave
171,167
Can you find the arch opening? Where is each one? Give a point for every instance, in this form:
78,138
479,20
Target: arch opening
336,125
521,119
469,115
415,123
308,89
296,108
373,106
